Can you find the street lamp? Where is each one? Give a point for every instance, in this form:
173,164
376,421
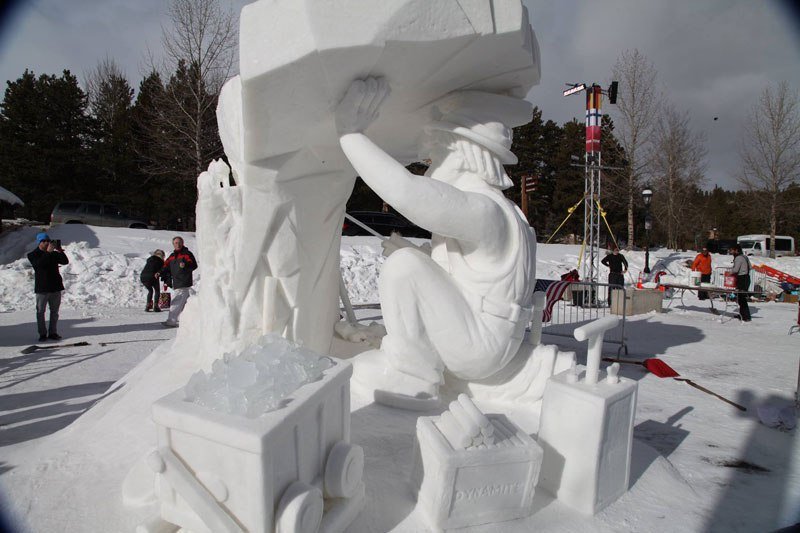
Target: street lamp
647,196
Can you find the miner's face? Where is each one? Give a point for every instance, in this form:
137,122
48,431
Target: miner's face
443,164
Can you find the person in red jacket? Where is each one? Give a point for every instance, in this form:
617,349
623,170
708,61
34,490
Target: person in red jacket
177,273
702,264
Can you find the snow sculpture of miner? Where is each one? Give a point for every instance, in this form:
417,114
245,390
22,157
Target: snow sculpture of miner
464,307
273,239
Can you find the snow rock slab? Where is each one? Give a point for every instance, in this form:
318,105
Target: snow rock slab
298,57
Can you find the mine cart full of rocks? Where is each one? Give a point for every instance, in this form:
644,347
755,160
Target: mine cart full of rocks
288,470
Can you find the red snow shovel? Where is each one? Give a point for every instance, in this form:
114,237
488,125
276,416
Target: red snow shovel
659,368
655,366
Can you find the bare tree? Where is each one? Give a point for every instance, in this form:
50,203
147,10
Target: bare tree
106,88
637,108
770,151
677,166
200,48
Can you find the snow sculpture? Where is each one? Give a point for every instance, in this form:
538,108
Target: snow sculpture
218,472
473,469
276,241
464,307
586,429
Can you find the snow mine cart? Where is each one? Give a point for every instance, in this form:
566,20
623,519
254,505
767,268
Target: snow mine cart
292,470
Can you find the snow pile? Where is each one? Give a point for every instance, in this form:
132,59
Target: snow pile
257,380
361,262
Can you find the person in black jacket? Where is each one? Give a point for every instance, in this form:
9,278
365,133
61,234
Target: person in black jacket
177,273
149,278
47,284
617,266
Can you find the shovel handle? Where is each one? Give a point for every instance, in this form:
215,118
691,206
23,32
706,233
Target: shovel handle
626,361
701,388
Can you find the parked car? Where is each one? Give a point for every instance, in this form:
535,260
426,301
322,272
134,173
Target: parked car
383,223
720,246
93,213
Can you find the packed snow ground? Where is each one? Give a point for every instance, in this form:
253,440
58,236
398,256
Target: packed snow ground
699,464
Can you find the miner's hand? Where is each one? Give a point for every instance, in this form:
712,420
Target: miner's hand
359,107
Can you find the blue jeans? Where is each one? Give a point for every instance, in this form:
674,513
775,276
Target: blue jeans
43,299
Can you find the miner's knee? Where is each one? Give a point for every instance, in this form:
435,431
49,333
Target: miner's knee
405,264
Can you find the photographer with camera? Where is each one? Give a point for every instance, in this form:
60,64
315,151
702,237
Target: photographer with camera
48,284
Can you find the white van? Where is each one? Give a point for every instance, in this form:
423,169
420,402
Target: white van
759,245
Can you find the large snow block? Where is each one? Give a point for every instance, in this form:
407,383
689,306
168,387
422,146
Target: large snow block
586,432
298,57
219,472
630,301
476,485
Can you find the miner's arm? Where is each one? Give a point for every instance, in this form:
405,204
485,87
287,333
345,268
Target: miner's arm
431,204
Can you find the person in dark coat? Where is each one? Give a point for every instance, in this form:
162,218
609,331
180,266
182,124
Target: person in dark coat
177,273
47,284
617,266
149,278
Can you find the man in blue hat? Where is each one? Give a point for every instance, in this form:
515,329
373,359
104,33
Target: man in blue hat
48,284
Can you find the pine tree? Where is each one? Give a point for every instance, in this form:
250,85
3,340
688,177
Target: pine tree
110,104
44,137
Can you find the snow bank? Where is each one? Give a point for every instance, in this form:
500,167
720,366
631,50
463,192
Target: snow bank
105,264
10,197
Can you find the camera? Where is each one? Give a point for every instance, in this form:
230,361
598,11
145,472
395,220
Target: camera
57,243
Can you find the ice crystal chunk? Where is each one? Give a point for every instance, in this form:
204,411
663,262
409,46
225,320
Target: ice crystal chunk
257,380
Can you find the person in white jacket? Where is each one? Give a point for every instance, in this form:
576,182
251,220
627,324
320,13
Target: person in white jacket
463,308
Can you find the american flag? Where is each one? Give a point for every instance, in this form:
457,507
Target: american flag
553,291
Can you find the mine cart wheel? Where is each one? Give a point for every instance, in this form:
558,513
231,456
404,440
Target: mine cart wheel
300,509
343,470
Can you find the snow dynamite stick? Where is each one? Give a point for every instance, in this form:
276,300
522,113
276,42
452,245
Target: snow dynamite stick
659,368
34,348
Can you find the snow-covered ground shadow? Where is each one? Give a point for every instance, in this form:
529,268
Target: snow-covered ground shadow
757,476
74,328
16,370
71,329
664,437
16,243
19,335
70,233
668,263
388,452
651,338
30,415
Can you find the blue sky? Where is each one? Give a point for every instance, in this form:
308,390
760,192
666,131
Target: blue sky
713,56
